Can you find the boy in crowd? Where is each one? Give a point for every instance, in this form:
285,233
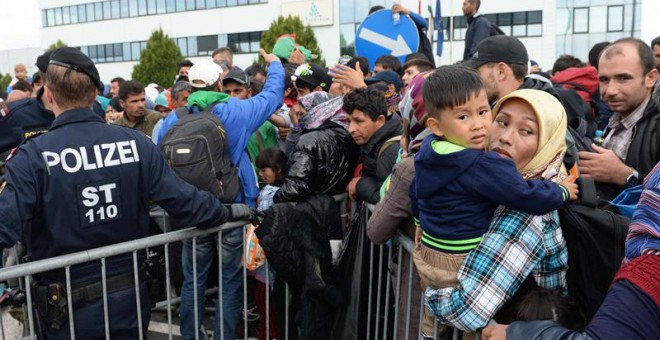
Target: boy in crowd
457,185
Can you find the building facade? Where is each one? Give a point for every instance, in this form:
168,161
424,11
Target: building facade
114,32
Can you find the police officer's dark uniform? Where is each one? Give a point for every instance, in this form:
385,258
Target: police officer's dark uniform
87,184
28,117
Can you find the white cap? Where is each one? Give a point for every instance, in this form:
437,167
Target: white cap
204,74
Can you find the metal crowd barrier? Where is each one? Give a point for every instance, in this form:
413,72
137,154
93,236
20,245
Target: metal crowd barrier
382,329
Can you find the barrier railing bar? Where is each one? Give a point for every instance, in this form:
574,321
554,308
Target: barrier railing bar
28,292
136,277
245,312
411,268
220,301
90,255
421,317
371,281
168,282
286,309
104,283
72,327
379,290
397,295
267,287
195,302
388,283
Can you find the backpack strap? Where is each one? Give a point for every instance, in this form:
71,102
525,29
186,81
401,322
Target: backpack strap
387,144
182,111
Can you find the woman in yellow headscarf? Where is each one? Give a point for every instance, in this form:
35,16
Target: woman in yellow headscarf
529,128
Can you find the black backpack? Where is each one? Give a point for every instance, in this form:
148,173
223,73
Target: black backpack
594,97
197,149
595,239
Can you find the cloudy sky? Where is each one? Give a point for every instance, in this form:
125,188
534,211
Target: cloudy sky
21,21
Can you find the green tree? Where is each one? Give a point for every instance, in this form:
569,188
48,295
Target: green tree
159,60
59,43
292,25
5,79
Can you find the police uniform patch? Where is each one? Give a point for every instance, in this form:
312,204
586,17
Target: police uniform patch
99,202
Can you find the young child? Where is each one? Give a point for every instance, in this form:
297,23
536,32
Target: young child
457,185
271,163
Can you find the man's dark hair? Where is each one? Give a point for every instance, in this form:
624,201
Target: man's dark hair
301,84
476,3
389,62
185,63
364,64
519,71
369,101
421,64
655,41
22,85
416,55
220,50
118,80
375,8
594,53
289,70
644,52
566,61
256,86
450,86
273,158
255,69
132,87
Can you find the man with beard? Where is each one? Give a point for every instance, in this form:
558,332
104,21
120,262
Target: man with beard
136,115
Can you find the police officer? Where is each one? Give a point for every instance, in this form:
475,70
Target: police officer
87,184
29,117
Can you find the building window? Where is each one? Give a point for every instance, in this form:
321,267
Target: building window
615,18
180,5
50,16
201,4
151,7
183,46
581,20
98,11
124,9
116,11
142,7
66,16
90,12
82,13
58,16
190,5
44,19
107,11
161,7
73,10
170,6
206,44
210,3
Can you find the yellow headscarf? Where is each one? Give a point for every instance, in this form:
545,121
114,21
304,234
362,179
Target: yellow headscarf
551,116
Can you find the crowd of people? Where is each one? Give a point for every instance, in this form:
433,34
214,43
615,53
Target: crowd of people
476,162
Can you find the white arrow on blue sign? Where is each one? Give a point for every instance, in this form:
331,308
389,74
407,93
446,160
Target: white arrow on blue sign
378,35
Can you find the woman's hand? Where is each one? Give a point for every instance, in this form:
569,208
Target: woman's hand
494,332
569,184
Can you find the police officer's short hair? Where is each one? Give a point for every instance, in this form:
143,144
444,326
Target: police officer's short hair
70,88
132,87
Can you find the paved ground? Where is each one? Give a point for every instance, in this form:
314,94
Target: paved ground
158,327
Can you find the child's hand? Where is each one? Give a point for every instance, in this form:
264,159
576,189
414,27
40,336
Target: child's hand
569,184
418,235
494,332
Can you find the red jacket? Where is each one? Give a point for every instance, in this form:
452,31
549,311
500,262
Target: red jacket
586,77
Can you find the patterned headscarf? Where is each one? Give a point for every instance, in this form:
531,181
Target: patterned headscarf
551,116
644,231
413,110
326,109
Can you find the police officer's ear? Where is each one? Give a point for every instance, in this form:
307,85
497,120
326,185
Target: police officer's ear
47,98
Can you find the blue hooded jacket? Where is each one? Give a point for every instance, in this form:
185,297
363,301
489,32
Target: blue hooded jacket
454,195
241,118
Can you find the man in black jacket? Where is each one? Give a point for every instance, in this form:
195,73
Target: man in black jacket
627,75
375,133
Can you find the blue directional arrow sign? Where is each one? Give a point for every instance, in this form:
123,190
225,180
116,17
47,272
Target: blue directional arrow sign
378,35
